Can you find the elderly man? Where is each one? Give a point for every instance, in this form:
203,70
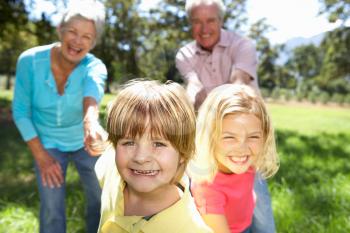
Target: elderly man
215,57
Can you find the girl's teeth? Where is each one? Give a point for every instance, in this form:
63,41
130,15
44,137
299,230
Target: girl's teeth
239,159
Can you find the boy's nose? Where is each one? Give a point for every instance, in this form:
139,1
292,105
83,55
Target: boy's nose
143,154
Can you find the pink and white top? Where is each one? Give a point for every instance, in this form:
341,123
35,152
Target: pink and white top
211,69
231,195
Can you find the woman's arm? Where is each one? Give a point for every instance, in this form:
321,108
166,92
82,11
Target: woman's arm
217,222
93,132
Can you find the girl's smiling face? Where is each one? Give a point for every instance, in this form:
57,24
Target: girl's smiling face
147,164
240,142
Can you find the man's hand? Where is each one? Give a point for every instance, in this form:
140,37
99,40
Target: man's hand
241,77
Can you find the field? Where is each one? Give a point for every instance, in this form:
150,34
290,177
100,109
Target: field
310,193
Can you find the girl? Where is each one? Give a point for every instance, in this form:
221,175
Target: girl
234,139
152,128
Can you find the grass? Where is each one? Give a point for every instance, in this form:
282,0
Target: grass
310,193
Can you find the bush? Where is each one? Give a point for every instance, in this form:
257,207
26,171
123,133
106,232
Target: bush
276,94
288,95
265,92
324,97
312,96
300,96
347,99
338,98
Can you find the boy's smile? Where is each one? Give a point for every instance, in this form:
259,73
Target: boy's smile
146,164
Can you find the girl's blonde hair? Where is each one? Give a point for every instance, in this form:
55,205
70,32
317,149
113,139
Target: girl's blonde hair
223,100
164,108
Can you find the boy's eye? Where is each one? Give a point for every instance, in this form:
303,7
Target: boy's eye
127,143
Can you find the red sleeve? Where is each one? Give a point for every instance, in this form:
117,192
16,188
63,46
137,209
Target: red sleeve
208,199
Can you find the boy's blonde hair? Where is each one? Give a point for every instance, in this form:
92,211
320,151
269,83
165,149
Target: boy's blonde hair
223,100
164,108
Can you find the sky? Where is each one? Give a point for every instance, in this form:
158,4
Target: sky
290,18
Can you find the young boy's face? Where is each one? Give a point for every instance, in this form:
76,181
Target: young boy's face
240,142
146,164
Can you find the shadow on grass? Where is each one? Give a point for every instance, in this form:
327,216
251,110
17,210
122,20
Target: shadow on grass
18,184
314,177
310,192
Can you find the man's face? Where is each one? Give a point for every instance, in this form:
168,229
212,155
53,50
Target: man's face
206,25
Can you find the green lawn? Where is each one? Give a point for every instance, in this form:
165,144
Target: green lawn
310,193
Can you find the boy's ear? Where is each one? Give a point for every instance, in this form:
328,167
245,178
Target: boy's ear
182,160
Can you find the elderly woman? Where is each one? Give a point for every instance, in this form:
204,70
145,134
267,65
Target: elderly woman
55,107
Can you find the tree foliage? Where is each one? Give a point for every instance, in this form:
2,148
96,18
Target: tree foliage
336,10
143,43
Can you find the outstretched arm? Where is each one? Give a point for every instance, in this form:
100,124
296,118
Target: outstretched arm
194,86
93,132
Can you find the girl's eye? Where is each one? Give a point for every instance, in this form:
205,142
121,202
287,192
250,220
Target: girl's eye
87,37
254,137
228,137
159,144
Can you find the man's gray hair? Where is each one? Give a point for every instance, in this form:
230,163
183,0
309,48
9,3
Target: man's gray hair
86,9
190,4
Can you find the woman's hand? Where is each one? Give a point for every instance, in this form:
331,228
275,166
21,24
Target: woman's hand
94,135
95,138
50,169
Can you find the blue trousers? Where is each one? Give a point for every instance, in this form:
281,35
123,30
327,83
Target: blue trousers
52,200
263,221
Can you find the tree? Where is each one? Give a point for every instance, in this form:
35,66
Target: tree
336,63
335,72
336,10
14,36
305,62
268,70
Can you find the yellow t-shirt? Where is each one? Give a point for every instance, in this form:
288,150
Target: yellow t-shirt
181,217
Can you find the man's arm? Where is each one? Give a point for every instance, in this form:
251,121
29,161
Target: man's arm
244,69
194,86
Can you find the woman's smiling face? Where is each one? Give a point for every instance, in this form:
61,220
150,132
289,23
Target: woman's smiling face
77,37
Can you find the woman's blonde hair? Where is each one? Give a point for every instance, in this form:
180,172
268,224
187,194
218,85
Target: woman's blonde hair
164,108
223,100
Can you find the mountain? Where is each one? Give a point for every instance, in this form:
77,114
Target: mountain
299,41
